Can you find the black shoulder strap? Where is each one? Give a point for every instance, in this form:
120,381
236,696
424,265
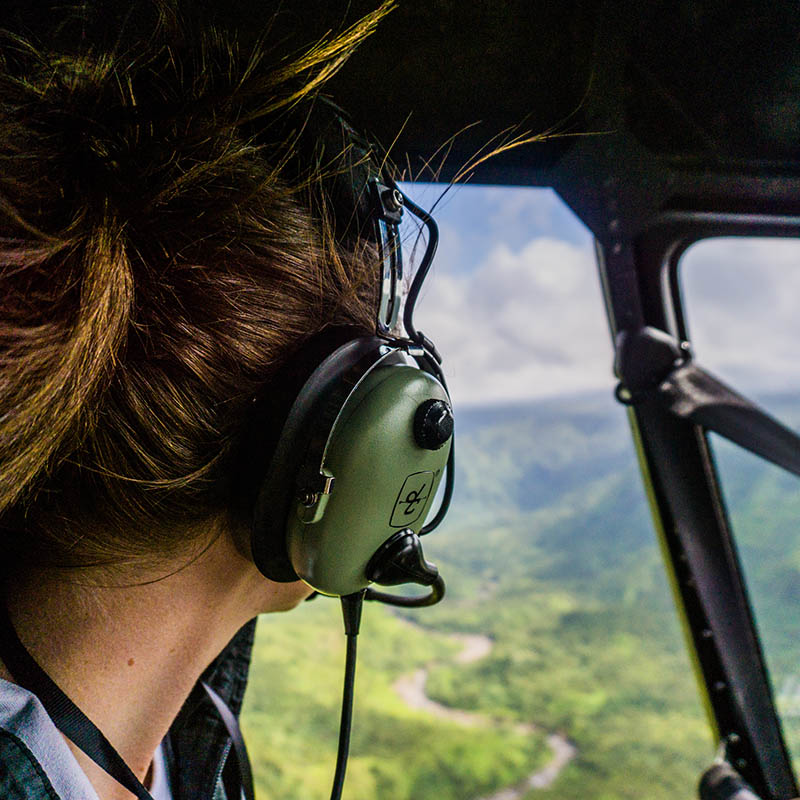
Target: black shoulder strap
76,726
239,748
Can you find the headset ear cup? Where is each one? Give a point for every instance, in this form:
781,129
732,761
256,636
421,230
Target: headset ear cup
385,474
320,397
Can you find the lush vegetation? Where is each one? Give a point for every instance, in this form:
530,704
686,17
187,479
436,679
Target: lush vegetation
293,705
550,552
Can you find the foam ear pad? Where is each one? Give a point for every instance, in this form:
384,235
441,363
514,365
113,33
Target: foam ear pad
320,398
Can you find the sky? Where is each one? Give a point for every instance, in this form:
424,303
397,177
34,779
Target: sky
741,302
513,300
514,304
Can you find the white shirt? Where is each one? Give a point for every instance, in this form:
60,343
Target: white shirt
159,777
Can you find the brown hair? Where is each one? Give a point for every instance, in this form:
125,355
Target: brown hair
164,250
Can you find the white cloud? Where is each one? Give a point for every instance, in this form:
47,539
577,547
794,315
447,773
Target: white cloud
514,304
741,297
524,323
513,207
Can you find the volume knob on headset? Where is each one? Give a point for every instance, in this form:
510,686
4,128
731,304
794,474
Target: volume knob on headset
433,424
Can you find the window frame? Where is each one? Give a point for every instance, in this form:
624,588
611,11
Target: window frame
641,279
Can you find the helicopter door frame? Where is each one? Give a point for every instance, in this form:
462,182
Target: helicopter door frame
641,283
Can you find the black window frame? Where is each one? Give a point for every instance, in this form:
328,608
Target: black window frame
641,278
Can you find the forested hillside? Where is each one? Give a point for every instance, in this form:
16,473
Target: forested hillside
548,552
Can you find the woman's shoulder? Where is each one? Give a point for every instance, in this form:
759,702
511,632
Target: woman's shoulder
21,775
35,762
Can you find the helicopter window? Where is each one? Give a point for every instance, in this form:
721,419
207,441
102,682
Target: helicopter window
740,299
556,658
741,303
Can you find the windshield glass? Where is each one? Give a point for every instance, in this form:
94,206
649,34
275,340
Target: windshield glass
740,299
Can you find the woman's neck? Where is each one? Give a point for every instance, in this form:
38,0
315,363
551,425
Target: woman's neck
128,656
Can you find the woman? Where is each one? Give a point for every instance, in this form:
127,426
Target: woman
167,246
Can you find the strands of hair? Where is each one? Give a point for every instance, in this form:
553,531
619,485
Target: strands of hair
164,249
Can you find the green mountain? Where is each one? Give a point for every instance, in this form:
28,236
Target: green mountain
553,569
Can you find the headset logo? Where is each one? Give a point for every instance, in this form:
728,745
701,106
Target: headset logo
412,499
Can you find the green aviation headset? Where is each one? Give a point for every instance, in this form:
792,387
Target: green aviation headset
365,444
367,433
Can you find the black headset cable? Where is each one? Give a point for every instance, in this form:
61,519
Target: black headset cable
431,360
351,611
435,595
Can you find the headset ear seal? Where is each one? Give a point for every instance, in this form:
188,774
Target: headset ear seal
321,395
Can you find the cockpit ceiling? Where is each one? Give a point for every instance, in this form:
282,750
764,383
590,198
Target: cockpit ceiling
688,84
703,83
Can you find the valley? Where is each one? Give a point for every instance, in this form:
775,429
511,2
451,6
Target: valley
558,622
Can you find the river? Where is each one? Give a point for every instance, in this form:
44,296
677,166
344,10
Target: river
411,689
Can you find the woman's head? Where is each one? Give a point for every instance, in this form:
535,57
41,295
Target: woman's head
167,243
